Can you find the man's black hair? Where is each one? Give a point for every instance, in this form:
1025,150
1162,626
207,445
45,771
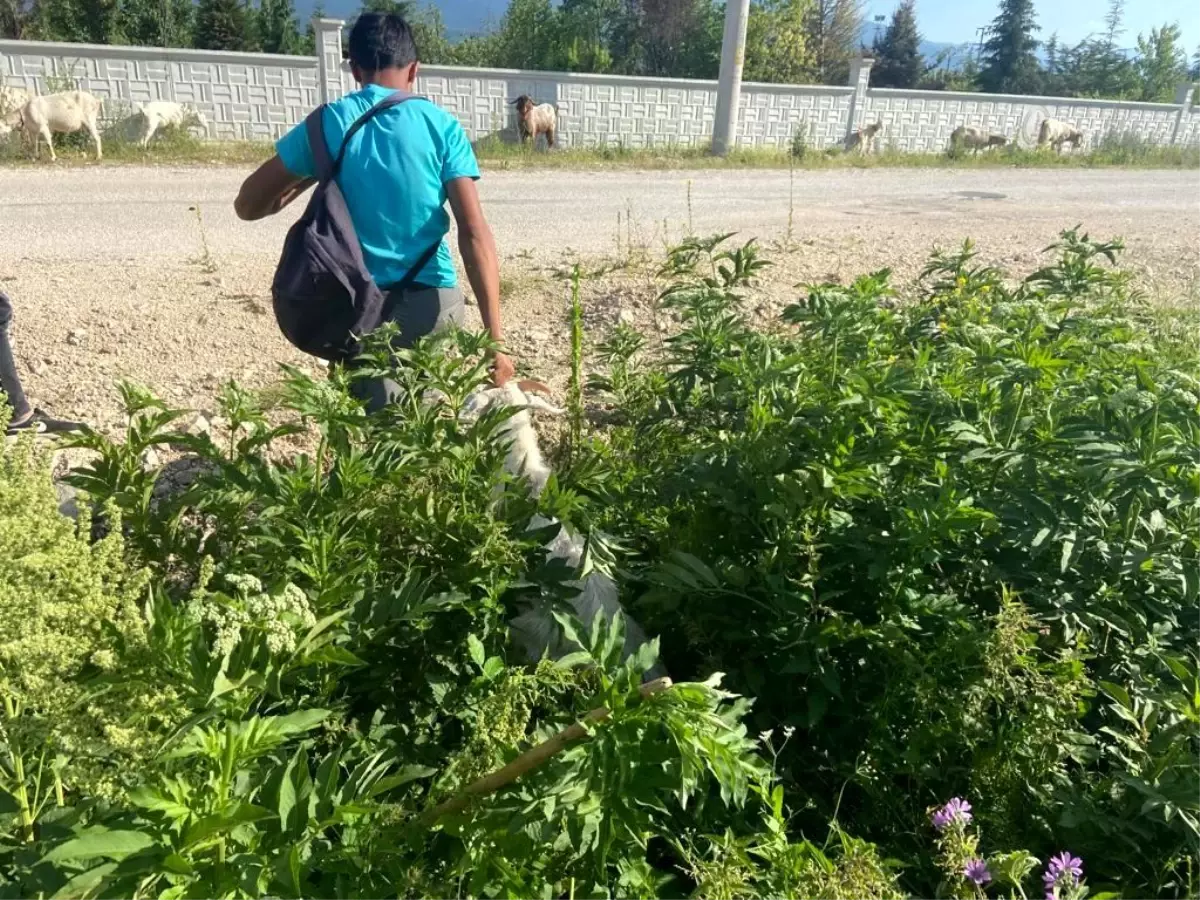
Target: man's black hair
381,41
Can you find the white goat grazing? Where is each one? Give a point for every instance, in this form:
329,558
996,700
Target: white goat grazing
535,631
863,140
69,111
1055,133
534,119
159,114
968,137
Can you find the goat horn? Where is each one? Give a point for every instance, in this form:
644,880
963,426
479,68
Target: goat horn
529,386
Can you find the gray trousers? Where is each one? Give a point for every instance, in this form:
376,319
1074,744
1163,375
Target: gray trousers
10,382
421,310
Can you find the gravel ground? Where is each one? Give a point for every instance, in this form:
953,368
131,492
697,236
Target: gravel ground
113,275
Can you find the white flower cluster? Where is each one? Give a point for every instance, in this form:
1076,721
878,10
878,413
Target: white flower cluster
281,617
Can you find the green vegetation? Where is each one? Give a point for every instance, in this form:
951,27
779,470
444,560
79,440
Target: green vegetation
948,546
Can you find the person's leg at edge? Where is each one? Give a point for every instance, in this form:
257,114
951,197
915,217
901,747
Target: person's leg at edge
10,382
419,312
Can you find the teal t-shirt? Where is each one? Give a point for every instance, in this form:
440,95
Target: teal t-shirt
394,179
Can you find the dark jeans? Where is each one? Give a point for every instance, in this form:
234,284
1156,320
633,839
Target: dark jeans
10,383
421,311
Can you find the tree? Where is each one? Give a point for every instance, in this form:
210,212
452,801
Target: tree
898,61
86,21
1161,64
1194,72
834,30
16,17
309,45
528,36
1010,64
778,43
680,38
277,29
157,23
221,25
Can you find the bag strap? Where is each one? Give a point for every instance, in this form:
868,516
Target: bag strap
395,290
327,167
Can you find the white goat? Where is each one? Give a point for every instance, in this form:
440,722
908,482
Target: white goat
1055,133
969,137
69,111
535,631
159,114
534,119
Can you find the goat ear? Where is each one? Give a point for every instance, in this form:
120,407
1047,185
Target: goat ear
529,386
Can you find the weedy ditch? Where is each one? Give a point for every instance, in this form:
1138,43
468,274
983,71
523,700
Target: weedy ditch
948,546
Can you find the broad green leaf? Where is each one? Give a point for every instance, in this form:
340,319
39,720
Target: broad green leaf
103,843
83,884
404,776
1118,693
475,648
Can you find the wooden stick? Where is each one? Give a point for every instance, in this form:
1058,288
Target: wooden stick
532,758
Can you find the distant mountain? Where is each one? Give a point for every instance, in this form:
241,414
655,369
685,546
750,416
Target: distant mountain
930,50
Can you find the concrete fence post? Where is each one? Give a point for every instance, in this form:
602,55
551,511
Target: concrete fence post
860,80
729,86
1183,99
329,58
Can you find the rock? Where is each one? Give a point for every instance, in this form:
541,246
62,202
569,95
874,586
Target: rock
151,459
199,425
68,500
625,317
538,336
75,336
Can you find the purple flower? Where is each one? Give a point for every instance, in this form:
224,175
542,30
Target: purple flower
956,812
976,871
1061,869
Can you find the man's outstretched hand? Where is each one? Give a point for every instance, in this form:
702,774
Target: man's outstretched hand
502,369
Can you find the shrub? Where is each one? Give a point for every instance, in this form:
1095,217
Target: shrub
950,542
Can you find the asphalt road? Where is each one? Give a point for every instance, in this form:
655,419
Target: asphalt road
123,212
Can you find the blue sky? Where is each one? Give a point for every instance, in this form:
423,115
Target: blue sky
956,21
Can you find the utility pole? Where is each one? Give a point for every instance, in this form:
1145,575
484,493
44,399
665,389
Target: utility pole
729,88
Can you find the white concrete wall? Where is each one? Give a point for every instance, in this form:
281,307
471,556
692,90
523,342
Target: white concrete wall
258,96
921,121
254,96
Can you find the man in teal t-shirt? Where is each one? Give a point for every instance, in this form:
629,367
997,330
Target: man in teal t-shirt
398,173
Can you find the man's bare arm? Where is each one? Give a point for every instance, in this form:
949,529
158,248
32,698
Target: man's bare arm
269,189
480,259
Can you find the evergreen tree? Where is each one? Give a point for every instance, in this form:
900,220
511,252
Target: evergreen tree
221,25
898,62
1162,64
277,31
1194,72
1010,64
309,45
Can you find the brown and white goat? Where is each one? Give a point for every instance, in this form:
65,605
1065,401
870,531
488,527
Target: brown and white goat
534,119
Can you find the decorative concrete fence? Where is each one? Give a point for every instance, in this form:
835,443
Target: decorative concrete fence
258,96
249,96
